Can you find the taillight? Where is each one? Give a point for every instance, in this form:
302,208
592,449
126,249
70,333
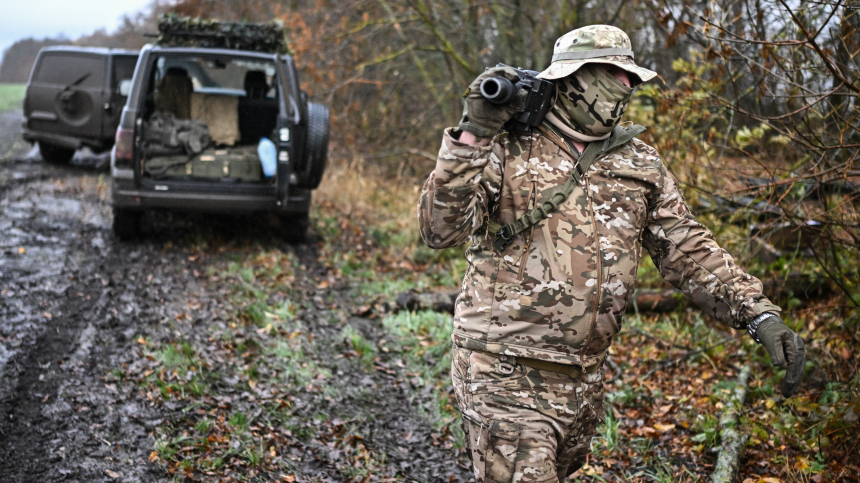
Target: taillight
124,147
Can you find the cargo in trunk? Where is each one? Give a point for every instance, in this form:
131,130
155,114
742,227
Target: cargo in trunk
239,163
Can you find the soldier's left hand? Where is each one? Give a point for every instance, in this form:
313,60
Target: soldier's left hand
786,349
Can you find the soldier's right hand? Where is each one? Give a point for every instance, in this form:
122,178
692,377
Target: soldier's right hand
483,118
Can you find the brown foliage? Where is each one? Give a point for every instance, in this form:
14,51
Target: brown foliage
787,80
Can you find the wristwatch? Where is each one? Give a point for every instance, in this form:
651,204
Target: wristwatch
752,325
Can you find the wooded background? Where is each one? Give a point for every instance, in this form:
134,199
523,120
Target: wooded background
756,107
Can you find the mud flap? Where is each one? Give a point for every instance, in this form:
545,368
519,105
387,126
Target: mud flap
493,446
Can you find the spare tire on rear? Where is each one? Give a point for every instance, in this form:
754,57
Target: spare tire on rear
310,170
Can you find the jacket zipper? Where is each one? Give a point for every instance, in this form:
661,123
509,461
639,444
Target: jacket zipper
527,237
593,325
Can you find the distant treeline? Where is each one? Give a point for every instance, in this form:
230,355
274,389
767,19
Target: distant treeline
19,57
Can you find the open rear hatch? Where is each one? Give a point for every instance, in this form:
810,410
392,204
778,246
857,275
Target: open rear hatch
210,118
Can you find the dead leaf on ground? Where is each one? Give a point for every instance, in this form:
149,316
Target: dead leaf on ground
662,410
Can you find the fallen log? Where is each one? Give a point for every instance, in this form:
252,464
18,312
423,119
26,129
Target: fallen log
413,301
649,300
732,442
798,284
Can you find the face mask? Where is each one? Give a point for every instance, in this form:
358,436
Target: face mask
590,102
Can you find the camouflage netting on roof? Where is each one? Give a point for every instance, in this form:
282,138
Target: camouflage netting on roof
176,31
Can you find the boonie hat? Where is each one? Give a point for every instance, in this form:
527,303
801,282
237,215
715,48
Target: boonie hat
598,44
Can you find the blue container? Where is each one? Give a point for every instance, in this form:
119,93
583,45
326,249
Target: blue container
268,153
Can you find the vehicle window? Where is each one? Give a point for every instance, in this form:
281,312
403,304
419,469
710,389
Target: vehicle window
123,69
238,77
78,70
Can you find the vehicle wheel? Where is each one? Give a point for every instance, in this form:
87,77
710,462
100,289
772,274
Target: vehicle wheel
294,228
126,224
55,154
315,154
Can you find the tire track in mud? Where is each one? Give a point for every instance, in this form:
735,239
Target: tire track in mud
72,303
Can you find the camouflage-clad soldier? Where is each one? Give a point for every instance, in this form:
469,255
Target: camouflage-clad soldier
535,318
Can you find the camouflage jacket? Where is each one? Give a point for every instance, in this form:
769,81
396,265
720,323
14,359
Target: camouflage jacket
559,290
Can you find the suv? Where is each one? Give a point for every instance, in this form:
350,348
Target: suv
74,97
217,130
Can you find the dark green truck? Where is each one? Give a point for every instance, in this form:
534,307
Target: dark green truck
74,98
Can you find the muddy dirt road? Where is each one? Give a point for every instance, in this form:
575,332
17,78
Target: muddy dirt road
74,303
68,312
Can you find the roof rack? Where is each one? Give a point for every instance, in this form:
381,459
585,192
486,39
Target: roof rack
176,31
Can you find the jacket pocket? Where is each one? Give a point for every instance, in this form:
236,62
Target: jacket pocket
493,447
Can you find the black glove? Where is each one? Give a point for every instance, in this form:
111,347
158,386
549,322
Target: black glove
785,348
483,118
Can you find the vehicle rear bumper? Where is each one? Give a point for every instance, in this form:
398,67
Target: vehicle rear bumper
208,203
60,140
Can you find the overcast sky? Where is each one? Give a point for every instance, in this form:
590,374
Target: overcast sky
49,18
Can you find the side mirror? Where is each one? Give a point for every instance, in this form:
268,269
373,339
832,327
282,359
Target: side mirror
124,87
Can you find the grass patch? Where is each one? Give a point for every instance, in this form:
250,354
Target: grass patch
361,346
12,96
293,366
424,340
608,437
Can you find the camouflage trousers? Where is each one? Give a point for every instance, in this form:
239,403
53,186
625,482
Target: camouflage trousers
523,424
